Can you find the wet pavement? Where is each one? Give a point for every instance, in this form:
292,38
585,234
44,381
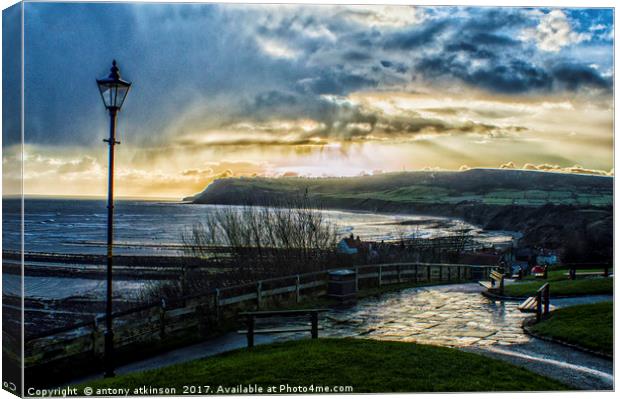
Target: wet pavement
449,315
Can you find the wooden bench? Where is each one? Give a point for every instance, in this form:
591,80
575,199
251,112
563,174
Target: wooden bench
496,282
538,303
573,273
250,318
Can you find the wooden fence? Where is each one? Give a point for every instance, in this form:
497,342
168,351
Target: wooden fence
194,317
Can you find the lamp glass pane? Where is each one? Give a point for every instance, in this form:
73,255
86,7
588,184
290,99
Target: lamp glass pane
106,94
113,92
121,93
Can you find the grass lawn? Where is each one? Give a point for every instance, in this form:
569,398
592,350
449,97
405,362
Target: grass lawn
590,326
562,286
365,365
560,274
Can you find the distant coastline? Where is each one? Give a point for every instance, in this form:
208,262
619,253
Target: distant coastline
557,210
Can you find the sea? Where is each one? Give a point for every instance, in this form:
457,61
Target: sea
149,227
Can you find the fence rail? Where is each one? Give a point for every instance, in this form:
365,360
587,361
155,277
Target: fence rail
156,322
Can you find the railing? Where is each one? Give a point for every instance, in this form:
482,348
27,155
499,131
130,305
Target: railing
542,302
160,321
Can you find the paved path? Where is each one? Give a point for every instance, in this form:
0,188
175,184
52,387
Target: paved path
449,315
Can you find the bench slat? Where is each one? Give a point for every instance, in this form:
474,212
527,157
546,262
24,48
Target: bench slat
529,305
524,304
279,330
496,275
266,313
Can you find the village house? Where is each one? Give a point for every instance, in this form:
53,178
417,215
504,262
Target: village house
354,245
547,257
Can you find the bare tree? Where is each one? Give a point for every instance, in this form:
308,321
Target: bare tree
284,238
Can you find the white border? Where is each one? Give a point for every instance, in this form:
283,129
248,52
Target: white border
523,3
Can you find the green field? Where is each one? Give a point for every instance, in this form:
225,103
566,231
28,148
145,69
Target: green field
483,186
366,366
421,193
589,326
560,285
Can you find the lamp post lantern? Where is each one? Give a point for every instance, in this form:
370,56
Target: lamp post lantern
113,91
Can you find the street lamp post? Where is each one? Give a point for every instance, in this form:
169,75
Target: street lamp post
113,92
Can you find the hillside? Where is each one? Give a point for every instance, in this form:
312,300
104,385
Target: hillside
484,186
565,211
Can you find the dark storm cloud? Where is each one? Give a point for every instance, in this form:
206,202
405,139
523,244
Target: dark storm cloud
509,66
335,82
575,76
491,39
197,66
416,37
473,51
515,76
272,99
398,67
493,19
357,56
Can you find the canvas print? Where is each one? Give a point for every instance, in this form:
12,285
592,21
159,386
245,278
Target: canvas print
245,199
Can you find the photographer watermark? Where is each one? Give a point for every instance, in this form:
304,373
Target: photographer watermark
148,390
54,392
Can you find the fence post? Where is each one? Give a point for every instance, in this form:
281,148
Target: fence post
315,325
357,279
440,272
201,315
538,306
217,305
547,300
97,339
428,273
162,320
415,275
398,273
250,323
259,288
379,273
297,296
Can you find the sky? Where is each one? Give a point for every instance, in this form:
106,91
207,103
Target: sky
286,90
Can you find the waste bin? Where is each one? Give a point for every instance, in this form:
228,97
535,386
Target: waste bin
341,286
